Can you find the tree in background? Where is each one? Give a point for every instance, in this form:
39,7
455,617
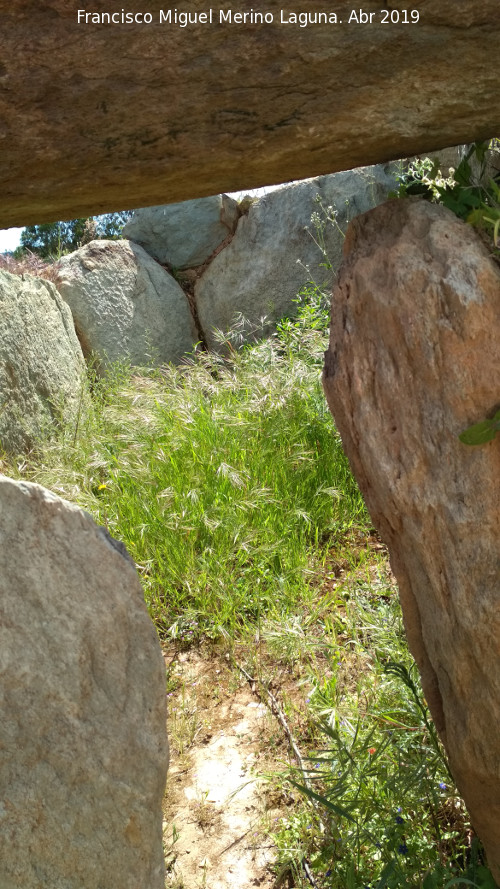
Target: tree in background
50,240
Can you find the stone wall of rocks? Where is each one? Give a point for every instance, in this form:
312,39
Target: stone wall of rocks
187,270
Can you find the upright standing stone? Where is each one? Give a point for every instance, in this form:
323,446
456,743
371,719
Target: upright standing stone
276,250
83,750
125,306
412,362
184,235
42,371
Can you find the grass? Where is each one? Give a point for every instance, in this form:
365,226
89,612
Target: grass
220,477
227,482
382,808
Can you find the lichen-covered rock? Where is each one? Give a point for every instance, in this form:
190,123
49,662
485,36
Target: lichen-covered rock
125,306
412,362
42,369
275,251
184,235
83,751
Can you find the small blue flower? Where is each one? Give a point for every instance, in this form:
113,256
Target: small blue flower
399,820
328,873
442,785
403,849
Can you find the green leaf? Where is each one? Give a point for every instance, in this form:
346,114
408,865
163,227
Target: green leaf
482,880
351,877
338,810
485,879
461,881
385,875
480,433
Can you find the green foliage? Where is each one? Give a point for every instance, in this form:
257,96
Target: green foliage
464,192
49,240
480,433
381,806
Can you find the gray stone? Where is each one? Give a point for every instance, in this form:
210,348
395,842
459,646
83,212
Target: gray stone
412,363
274,252
42,371
125,305
184,235
83,751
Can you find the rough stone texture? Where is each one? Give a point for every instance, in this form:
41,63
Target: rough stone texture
98,117
184,235
263,268
412,362
125,305
41,362
83,751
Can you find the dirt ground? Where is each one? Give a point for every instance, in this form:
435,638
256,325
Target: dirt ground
217,813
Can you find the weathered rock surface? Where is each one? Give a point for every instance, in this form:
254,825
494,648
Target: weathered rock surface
83,751
102,116
125,305
41,362
412,362
184,235
274,251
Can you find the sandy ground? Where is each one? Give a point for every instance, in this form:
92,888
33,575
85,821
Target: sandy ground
215,808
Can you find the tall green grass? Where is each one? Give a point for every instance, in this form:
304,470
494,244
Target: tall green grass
382,809
219,476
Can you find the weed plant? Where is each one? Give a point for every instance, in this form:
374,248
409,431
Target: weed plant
469,191
383,810
28,264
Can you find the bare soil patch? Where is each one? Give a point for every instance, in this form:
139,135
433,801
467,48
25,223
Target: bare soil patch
217,813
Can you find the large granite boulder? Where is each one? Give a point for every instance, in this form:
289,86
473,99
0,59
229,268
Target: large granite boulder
42,371
412,362
275,250
103,115
125,305
83,751
186,234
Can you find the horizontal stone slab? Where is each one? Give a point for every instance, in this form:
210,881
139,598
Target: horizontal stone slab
98,116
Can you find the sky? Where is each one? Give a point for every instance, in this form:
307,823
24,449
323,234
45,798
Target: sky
10,237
